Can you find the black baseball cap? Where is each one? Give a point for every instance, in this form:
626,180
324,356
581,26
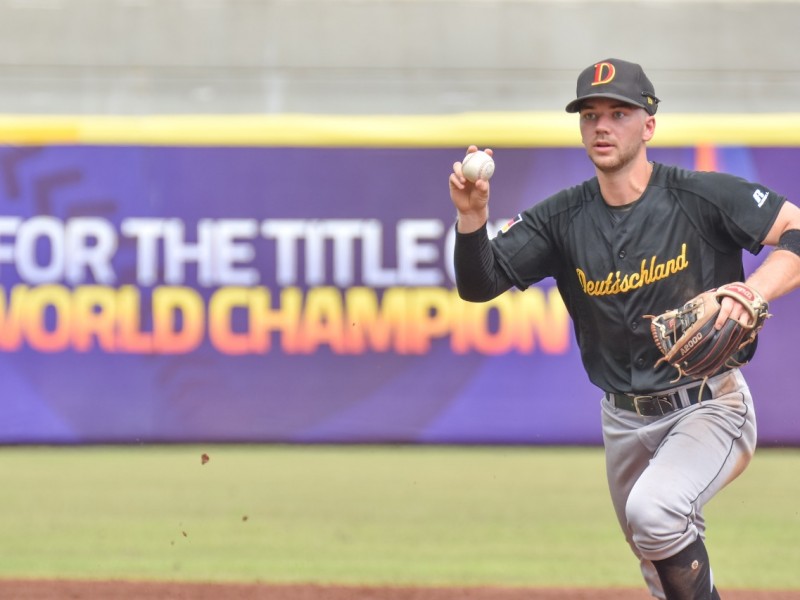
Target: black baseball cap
618,79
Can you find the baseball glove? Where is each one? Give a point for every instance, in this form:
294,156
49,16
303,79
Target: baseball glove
687,338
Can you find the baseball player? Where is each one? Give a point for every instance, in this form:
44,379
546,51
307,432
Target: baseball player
638,239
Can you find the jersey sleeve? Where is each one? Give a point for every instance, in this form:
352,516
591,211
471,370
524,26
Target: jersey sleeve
733,213
526,247
478,276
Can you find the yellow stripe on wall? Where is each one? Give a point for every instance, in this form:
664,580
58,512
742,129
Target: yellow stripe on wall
398,131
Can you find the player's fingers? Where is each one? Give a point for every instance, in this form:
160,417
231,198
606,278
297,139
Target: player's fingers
725,311
739,312
730,309
482,185
456,181
741,315
474,148
458,172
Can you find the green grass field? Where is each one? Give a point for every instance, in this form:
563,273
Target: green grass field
364,515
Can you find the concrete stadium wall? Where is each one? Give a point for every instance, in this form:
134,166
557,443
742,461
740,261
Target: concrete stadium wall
386,56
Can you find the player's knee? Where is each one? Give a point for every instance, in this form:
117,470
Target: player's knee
656,527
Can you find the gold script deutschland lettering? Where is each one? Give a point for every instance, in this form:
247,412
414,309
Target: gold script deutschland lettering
651,271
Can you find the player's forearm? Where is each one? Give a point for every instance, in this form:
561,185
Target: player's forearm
478,277
778,275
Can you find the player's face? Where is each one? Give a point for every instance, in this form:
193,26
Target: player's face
614,133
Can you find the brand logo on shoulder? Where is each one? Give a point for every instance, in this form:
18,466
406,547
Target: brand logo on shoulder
760,197
604,72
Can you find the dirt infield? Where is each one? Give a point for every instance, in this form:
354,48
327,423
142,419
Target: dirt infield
125,590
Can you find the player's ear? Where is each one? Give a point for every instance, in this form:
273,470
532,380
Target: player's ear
649,128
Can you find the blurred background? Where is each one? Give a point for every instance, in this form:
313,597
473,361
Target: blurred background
139,57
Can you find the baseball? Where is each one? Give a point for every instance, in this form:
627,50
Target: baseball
477,165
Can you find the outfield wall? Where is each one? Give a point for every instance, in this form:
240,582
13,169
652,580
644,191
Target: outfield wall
387,56
288,279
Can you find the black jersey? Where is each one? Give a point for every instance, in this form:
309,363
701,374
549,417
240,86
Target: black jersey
685,235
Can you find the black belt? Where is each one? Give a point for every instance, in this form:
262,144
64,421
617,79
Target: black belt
655,405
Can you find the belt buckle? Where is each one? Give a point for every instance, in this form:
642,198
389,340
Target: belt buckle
654,400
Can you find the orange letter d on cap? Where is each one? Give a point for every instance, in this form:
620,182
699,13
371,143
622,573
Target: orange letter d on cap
603,73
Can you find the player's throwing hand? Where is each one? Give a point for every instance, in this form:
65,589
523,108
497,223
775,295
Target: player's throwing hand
470,199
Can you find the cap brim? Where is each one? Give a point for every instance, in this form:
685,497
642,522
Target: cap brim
575,105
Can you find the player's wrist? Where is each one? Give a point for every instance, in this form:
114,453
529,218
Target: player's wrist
471,221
